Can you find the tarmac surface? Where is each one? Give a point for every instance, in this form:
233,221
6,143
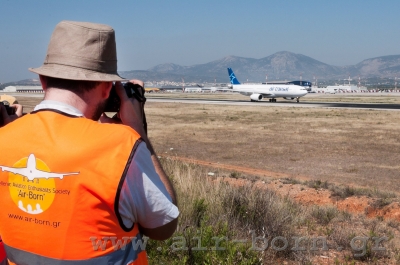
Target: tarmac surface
375,106
264,103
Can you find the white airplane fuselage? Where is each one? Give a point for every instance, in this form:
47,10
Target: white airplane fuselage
259,91
271,91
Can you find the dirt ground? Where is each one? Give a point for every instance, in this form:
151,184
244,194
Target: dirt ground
358,148
349,147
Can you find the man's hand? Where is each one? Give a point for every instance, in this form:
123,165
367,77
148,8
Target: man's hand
130,112
9,118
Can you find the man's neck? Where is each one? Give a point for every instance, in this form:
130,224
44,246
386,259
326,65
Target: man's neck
70,98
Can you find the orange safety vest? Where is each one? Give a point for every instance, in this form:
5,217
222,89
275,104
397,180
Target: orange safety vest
60,182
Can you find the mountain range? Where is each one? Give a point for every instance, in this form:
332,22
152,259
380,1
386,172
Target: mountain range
278,66
282,65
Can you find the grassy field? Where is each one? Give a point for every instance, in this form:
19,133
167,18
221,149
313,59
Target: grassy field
352,149
222,223
344,146
357,147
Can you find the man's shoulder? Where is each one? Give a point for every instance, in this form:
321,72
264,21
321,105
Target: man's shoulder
120,133
15,123
120,128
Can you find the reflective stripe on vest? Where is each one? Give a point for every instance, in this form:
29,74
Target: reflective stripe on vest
60,184
119,257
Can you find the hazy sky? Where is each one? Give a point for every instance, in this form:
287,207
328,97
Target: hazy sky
188,32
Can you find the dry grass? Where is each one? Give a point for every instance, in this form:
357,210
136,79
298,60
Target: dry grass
211,209
322,146
352,147
343,146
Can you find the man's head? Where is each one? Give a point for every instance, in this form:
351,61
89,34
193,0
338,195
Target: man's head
81,58
81,51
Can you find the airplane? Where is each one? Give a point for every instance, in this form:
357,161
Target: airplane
31,172
304,83
259,91
192,89
211,89
151,89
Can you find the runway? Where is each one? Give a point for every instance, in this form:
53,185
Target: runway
340,105
264,103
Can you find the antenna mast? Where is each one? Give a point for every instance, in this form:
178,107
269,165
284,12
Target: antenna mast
348,79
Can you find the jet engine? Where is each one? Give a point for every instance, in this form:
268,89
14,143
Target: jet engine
256,97
289,98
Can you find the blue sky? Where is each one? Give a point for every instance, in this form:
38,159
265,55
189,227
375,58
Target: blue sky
194,32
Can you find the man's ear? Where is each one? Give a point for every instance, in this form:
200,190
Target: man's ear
105,89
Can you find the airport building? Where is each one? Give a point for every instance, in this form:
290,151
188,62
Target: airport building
23,89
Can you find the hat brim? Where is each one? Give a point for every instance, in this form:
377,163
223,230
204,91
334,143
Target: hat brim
9,99
74,73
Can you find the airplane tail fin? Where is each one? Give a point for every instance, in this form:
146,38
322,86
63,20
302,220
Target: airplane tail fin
232,77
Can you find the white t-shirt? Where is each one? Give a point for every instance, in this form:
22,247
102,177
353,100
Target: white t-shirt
144,198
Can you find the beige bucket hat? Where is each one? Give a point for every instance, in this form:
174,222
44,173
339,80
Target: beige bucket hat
81,51
10,99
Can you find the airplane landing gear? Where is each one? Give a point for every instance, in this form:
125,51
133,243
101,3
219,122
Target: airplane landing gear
297,99
272,100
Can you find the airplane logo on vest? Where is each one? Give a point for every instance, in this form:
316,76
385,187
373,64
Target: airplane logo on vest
31,172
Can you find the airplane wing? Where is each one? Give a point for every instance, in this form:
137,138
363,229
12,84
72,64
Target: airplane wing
45,175
266,94
20,171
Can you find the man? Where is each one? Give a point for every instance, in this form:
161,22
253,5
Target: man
74,190
5,118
